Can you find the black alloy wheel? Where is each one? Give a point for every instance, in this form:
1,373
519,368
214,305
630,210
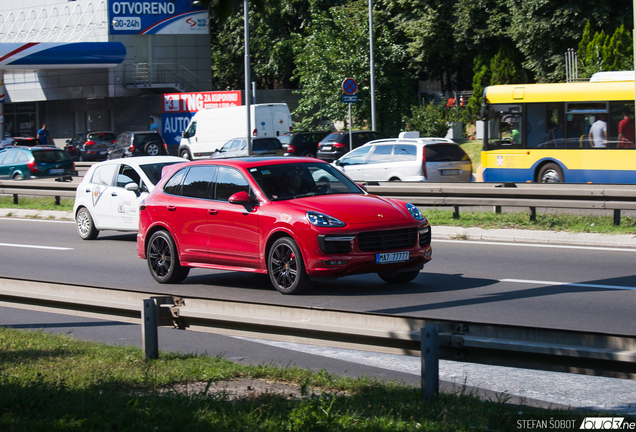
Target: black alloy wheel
163,259
286,268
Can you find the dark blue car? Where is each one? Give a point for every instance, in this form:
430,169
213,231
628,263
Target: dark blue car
19,163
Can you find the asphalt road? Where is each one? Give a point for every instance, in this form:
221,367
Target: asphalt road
484,282
581,289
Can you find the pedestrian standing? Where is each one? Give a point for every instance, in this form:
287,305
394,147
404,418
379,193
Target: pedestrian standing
43,135
153,125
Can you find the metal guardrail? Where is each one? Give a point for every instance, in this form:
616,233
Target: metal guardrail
601,354
531,195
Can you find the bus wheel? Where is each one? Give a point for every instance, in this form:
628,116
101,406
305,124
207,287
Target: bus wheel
550,173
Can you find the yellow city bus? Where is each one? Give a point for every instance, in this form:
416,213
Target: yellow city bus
579,132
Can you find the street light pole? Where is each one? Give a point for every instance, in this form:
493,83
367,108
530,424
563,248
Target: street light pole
371,64
247,76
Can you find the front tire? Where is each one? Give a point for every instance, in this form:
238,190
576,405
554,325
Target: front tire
163,259
393,277
185,153
550,173
286,267
85,225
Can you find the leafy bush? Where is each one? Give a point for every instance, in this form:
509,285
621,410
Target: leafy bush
432,120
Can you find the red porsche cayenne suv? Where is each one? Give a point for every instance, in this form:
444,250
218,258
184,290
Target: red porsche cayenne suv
299,220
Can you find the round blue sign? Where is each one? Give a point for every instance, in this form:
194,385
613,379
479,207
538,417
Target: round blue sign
349,86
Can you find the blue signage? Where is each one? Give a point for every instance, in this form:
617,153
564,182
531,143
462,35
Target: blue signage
349,98
157,17
173,125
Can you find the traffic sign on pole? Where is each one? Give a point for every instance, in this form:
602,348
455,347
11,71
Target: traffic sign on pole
349,86
349,98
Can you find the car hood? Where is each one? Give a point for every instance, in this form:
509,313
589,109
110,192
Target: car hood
352,208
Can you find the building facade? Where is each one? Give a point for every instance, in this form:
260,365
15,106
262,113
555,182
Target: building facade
167,50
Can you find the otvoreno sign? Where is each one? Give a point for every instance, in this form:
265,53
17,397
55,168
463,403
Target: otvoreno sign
157,17
178,109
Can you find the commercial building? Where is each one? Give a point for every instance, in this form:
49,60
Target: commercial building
98,64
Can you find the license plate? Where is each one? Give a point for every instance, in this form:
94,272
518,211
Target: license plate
391,257
452,172
56,171
325,148
103,152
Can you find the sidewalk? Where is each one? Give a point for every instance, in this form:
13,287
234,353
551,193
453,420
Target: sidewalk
439,232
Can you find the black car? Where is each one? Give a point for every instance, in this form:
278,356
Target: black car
90,146
137,143
261,146
336,144
302,143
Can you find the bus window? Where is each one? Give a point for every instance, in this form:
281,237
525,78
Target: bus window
621,127
505,127
581,117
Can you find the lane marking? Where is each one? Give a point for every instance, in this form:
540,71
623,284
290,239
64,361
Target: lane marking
36,220
35,246
537,245
582,285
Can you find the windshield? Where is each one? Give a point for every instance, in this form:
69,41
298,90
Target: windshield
289,181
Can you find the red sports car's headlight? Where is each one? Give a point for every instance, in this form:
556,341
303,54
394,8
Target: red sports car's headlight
323,220
414,211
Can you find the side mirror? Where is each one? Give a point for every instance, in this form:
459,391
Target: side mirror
363,187
242,198
133,187
185,134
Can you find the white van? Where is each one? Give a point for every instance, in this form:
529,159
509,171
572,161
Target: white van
210,128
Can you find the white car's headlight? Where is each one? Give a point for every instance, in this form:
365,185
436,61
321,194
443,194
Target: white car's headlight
323,220
415,212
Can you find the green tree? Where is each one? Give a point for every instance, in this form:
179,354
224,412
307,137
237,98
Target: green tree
600,52
336,47
432,120
543,30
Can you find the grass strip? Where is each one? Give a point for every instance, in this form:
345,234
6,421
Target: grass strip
54,382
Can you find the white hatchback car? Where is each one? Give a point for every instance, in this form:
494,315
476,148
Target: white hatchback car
408,159
109,195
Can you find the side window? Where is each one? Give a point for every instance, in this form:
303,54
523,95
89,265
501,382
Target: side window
3,153
127,175
10,157
104,174
236,145
229,182
197,182
381,153
192,129
173,186
404,152
22,157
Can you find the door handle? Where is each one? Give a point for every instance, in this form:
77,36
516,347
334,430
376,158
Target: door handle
172,208
113,194
88,190
213,212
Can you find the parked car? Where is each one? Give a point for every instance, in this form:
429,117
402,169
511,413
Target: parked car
109,195
270,216
139,143
261,146
408,159
90,146
302,143
19,163
336,144
23,142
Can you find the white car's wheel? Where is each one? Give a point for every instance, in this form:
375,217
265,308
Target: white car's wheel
85,226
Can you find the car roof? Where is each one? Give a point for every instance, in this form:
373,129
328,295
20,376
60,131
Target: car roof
143,160
417,141
244,162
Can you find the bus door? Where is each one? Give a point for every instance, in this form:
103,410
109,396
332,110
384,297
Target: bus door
505,133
